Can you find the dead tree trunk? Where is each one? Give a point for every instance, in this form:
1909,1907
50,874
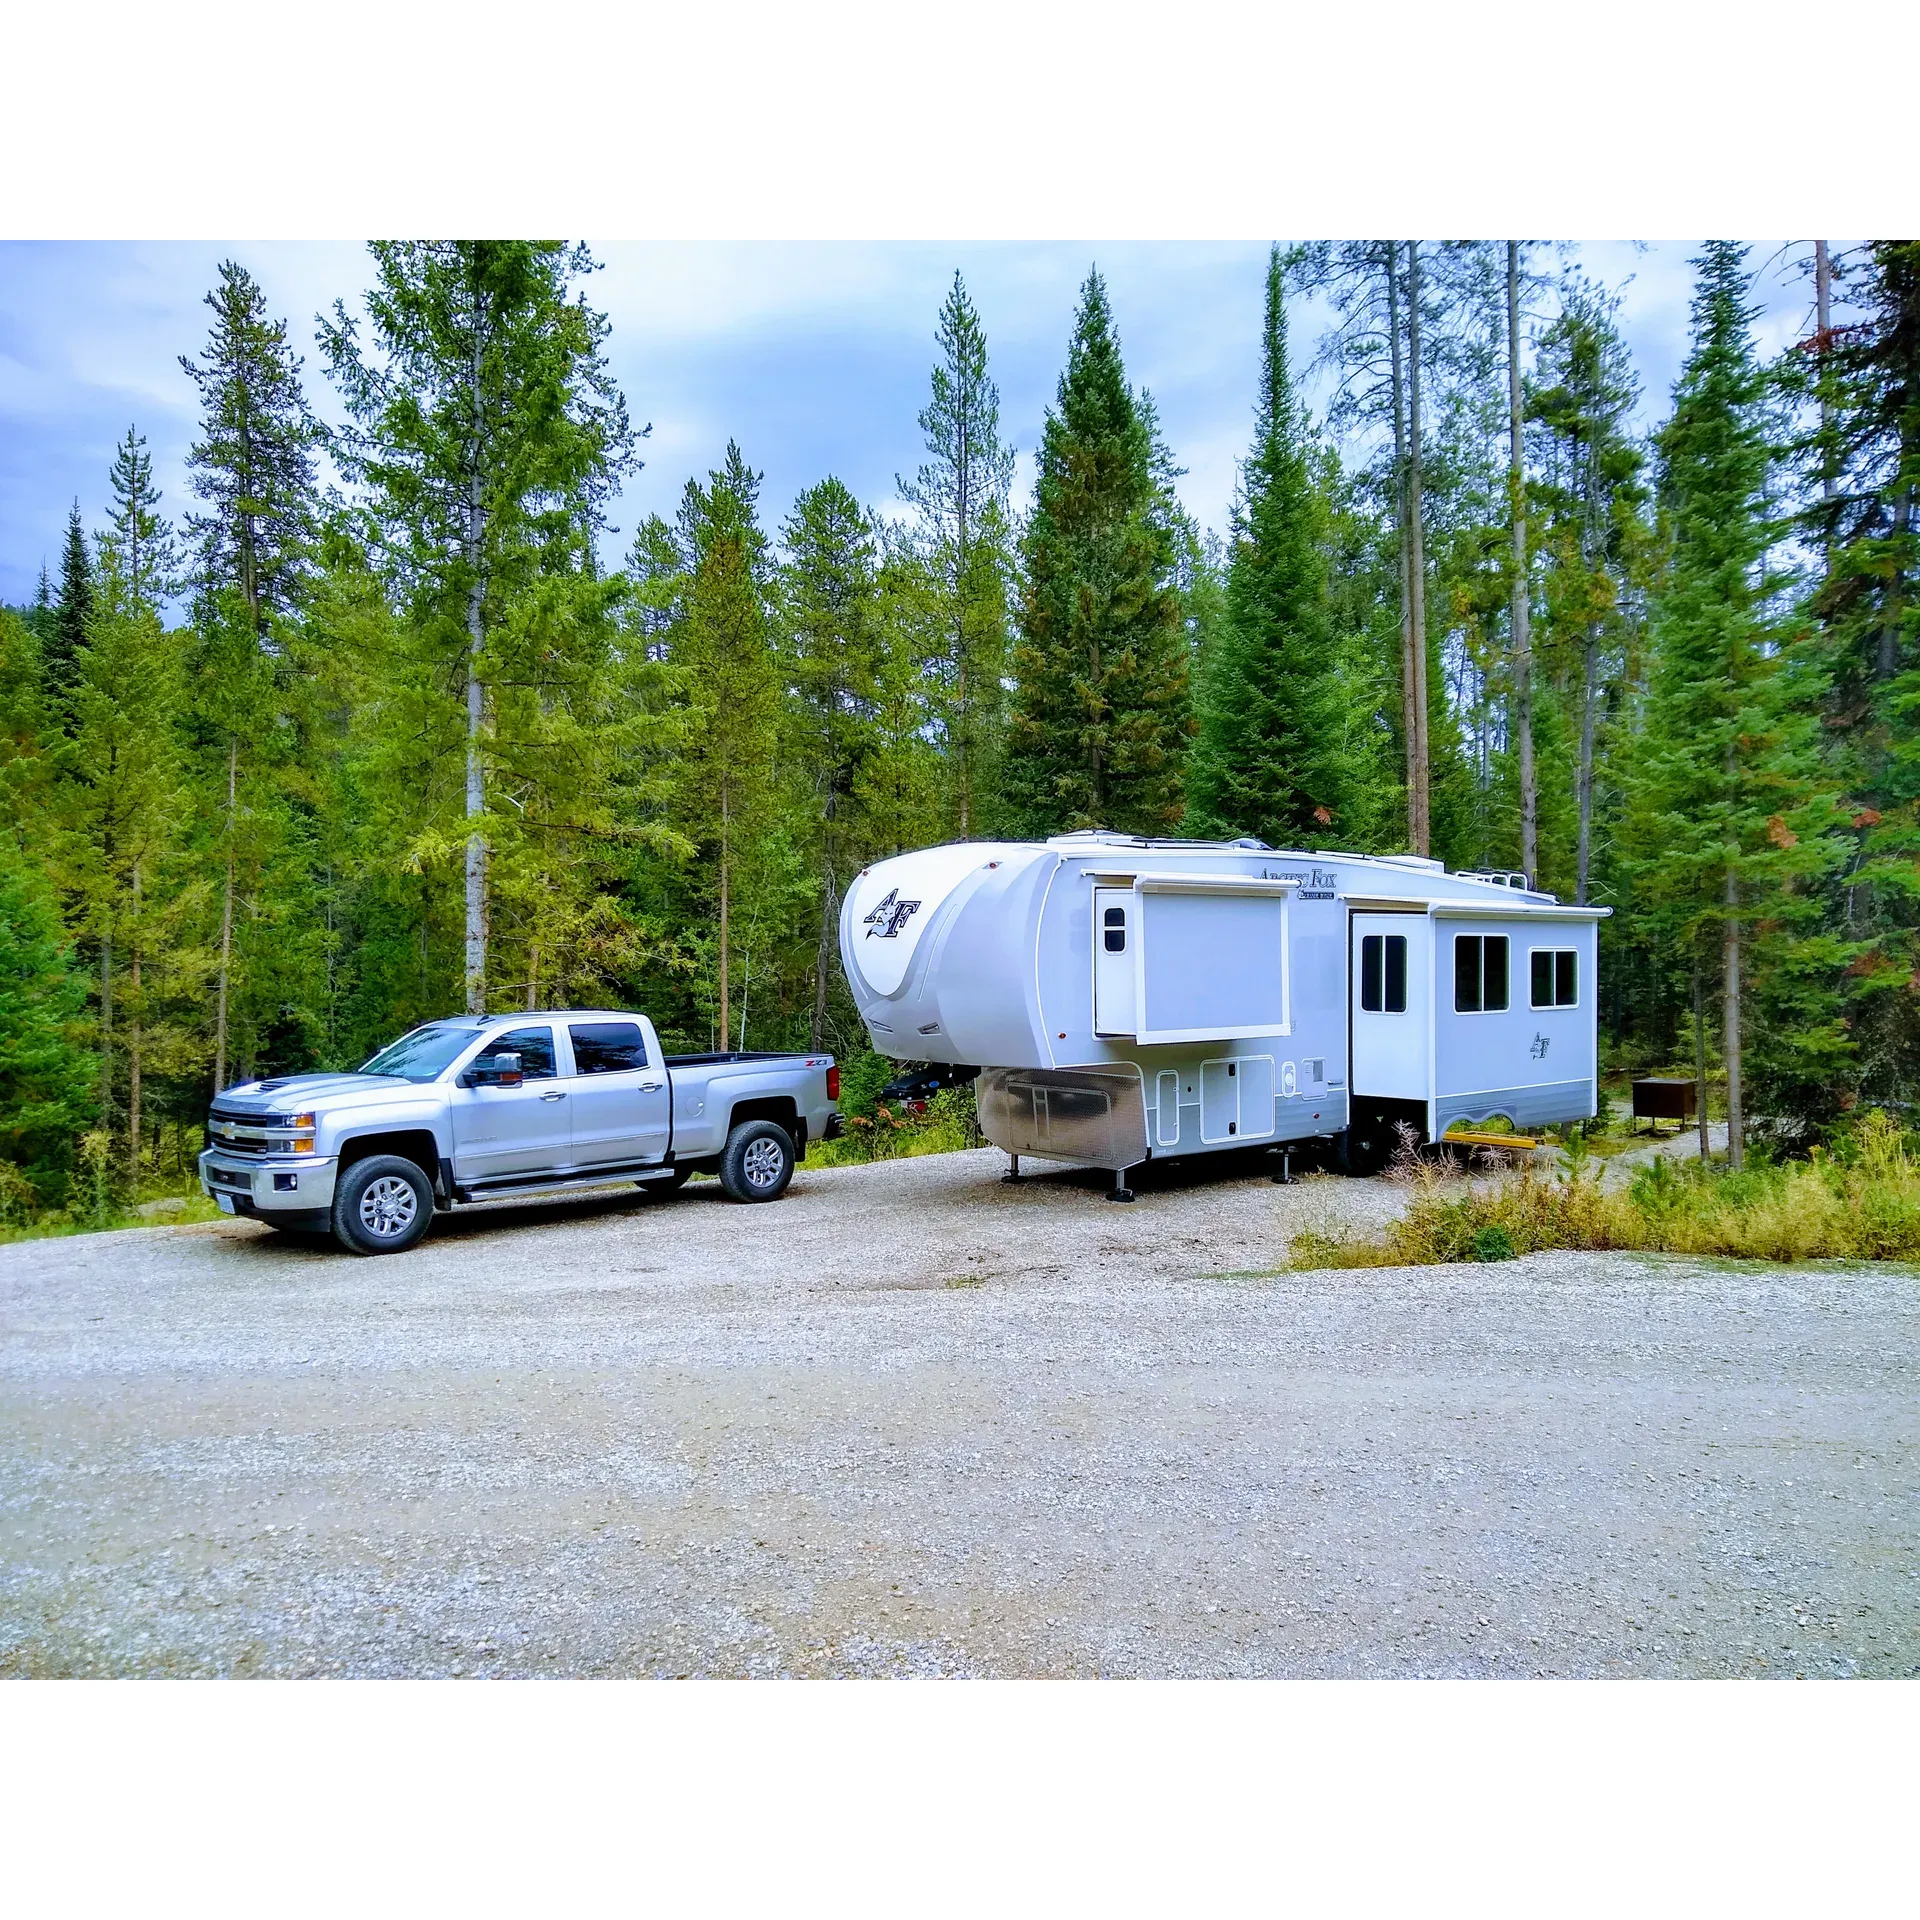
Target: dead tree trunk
1409,713
1422,768
1522,612
1730,1022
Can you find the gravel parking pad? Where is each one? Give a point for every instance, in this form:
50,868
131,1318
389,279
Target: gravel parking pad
912,1421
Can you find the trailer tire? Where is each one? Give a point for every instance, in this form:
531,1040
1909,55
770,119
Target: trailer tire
383,1204
1363,1148
757,1161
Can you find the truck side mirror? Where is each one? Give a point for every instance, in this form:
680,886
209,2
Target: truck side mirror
495,1070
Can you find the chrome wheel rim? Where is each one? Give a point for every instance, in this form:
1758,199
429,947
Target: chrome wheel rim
389,1207
762,1163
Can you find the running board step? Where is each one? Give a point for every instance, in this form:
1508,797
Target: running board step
640,1176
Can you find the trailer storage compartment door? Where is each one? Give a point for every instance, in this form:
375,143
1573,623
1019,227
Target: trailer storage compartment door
1210,959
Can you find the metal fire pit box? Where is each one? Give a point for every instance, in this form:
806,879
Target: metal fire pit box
1657,1100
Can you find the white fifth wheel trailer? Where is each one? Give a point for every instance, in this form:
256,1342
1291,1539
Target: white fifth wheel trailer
1126,999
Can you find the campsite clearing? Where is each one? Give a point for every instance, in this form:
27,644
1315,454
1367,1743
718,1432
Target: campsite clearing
913,1421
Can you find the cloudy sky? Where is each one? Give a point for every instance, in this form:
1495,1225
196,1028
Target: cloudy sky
815,356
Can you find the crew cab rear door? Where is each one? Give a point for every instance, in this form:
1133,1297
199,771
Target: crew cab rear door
622,1110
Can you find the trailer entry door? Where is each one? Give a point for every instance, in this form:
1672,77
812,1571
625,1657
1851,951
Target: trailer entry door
1115,993
1391,988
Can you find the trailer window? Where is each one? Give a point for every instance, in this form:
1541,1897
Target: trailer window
1479,973
1383,973
1556,979
1114,929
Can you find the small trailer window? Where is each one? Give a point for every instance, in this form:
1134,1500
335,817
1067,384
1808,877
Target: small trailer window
1479,973
1114,931
1383,973
1556,979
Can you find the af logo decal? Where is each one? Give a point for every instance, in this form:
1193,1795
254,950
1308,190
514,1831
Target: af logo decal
890,916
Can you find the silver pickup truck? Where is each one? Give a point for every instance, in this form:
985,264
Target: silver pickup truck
490,1106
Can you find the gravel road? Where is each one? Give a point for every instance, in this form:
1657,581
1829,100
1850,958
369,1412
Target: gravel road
912,1421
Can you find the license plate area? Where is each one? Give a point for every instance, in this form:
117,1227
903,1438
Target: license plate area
224,1201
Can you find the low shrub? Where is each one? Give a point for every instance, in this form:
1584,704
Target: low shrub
903,1130
1858,1201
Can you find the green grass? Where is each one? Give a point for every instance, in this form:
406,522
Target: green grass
1859,1201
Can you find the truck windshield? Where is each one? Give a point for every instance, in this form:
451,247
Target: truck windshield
423,1054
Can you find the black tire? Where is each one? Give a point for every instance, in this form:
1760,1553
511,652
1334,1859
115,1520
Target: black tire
1365,1147
757,1161
382,1204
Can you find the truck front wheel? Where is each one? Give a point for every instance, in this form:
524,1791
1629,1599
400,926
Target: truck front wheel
382,1204
757,1162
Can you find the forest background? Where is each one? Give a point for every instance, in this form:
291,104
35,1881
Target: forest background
367,728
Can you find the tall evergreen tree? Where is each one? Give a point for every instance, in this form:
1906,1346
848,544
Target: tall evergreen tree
1101,718
46,1073
1270,758
1864,460
1733,817
724,648
72,614
252,468
961,494
1591,528
831,617
139,540
490,433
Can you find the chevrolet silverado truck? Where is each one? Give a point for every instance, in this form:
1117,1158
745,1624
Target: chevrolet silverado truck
487,1107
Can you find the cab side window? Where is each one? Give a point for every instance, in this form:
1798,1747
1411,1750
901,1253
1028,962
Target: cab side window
534,1045
607,1046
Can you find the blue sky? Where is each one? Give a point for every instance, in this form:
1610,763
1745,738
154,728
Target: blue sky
815,356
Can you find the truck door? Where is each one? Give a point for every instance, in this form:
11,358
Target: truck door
1115,936
507,1130
618,1094
1390,986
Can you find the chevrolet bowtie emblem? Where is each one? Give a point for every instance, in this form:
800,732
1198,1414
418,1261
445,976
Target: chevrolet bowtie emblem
890,916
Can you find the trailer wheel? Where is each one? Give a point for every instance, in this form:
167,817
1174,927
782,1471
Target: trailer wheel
757,1161
1364,1147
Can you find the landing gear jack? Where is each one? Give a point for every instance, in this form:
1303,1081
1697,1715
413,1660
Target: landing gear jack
1284,1178
1011,1178
1121,1191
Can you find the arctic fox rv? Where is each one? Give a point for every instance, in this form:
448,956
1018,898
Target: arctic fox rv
1124,999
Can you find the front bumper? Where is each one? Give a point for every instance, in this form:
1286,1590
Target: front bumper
281,1183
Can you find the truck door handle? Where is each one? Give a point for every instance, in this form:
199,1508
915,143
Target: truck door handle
553,1096
649,1086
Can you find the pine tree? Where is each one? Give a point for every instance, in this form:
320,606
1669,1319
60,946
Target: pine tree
1269,759
72,614
46,1074
961,496
252,467
1591,527
490,434
253,462
1864,459
1732,815
830,615
139,541
1101,716
724,648
124,808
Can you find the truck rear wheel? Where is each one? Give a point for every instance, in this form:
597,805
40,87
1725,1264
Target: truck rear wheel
382,1204
757,1161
